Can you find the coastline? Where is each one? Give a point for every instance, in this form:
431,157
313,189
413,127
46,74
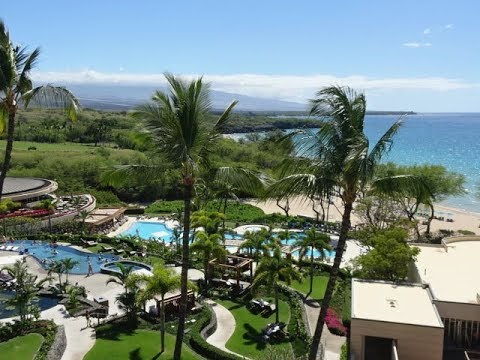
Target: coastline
462,219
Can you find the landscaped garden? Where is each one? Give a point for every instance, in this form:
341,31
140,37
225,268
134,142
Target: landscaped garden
319,286
247,338
21,347
117,341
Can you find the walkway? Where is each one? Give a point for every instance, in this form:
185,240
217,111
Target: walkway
225,327
333,343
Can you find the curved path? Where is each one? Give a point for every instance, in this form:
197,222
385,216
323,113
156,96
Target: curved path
225,327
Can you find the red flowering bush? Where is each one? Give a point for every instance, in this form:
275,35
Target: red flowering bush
334,323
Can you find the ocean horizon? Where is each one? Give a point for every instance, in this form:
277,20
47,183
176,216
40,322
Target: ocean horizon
448,139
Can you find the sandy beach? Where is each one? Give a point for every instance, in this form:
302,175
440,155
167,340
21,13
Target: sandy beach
462,220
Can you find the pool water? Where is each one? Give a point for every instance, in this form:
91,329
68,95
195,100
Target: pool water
150,230
45,254
316,253
44,302
112,267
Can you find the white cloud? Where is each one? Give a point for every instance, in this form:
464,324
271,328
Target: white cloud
427,31
449,27
296,88
412,44
417,44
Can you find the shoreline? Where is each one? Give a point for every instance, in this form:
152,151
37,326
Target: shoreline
462,219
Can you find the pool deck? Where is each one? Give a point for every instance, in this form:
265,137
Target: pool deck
132,219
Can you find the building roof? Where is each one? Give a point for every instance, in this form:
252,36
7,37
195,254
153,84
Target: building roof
451,270
389,302
22,188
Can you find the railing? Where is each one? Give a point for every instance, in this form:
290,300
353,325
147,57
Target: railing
472,355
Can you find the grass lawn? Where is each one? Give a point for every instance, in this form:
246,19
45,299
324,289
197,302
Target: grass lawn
114,341
319,286
21,347
247,338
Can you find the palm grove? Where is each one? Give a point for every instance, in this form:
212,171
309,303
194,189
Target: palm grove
335,161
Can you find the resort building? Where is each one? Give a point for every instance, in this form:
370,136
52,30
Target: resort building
436,316
27,190
391,321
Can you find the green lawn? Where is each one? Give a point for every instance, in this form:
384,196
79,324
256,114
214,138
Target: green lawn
21,347
247,338
116,342
319,286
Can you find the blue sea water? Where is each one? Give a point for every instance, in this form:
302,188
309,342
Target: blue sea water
451,140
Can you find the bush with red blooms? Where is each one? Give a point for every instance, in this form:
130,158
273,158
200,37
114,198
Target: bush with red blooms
334,323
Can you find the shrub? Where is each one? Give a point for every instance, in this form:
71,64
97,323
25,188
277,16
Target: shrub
334,323
344,354
164,207
466,232
296,327
135,211
341,301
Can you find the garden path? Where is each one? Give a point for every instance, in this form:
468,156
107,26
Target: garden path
225,327
333,343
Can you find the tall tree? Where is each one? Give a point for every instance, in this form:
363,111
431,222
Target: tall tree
256,243
121,276
337,156
270,273
313,240
25,288
16,90
390,257
160,283
183,132
208,246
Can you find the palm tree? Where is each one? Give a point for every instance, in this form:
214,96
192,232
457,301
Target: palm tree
313,240
57,268
272,271
16,89
339,157
68,264
160,283
255,243
25,289
209,220
210,247
182,129
120,277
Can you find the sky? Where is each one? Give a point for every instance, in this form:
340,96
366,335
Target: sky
405,55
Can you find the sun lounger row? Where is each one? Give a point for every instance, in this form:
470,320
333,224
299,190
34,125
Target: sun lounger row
9,248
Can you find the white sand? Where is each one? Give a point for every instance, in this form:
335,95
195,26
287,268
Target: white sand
463,220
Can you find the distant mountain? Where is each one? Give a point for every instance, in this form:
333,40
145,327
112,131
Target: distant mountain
124,97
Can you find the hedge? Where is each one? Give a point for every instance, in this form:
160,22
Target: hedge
296,328
200,345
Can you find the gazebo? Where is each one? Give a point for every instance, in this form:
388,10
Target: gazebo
235,263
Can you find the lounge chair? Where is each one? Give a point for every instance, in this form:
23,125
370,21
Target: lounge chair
3,247
119,251
132,253
9,248
15,248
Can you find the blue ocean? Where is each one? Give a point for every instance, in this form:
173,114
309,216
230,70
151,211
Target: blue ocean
451,140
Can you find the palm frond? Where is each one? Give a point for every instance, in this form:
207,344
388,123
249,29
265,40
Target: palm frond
55,97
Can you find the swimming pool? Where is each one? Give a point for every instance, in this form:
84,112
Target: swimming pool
148,230
44,302
45,254
316,253
112,267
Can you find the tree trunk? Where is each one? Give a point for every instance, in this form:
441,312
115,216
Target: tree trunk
183,277
223,222
429,221
311,272
332,280
162,325
8,149
277,310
